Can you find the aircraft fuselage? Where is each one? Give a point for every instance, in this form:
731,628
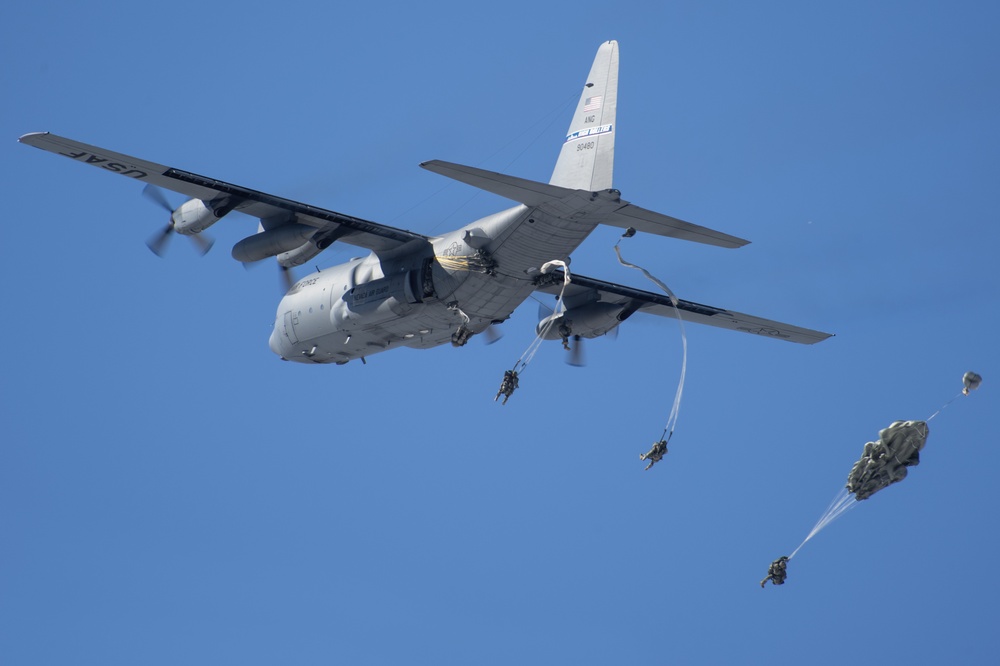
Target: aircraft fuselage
428,294
421,291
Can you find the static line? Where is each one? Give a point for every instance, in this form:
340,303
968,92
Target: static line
668,429
533,348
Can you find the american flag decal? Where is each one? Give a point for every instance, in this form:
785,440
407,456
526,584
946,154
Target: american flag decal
592,103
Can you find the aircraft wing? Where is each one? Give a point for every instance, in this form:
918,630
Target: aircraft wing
586,289
273,211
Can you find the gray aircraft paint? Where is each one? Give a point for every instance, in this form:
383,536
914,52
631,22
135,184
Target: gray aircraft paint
419,291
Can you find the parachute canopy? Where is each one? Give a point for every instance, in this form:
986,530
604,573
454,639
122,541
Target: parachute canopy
971,381
884,462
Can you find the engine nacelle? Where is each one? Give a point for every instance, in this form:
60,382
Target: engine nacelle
587,321
194,216
272,242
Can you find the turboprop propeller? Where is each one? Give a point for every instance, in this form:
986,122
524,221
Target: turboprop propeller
158,243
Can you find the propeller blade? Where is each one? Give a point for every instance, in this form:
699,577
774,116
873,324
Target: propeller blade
158,243
492,334
204,243
576,352
287,278
155,194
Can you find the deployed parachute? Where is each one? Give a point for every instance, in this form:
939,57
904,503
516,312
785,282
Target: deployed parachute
971,381
884,462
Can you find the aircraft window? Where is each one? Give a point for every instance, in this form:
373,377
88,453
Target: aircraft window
310,310
320,307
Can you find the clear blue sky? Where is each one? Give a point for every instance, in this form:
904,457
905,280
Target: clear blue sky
170,492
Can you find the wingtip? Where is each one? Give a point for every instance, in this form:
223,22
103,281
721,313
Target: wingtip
819,336
735,243
26,138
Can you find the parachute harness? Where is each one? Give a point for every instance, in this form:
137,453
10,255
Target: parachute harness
668,429
510,377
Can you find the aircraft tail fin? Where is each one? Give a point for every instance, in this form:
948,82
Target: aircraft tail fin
586,161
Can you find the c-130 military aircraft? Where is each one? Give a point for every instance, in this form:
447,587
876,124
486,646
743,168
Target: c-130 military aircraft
423,291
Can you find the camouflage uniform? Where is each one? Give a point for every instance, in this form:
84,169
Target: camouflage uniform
776,573
655,454
507,386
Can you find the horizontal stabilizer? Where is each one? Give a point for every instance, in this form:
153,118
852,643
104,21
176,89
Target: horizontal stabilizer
625,215
521,190
652,222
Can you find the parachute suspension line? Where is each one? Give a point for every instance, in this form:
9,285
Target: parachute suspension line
532,349
668,429
971,380
945,406
510,377
843,502
846,499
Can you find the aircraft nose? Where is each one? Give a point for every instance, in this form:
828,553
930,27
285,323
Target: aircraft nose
275,342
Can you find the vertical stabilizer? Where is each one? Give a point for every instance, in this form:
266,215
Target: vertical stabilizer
587,158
